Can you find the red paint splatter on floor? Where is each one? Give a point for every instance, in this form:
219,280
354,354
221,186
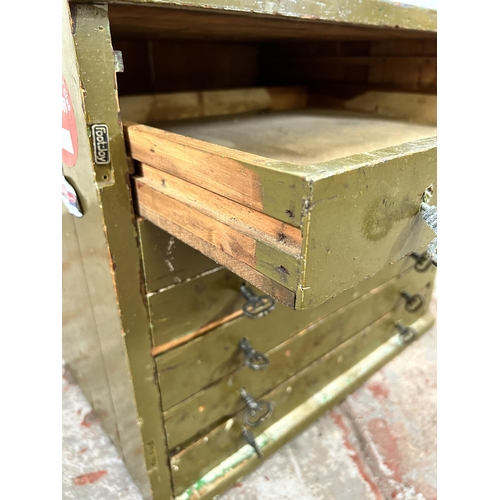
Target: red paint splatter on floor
266,478
89,420
387,446
238,485
378,389
358,461
83,450
89,478
66,374
79,411
431,383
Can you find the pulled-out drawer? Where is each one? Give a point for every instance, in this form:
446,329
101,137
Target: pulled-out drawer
187,369
222,398
303,203
226,438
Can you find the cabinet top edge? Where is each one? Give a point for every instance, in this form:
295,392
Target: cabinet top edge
369,13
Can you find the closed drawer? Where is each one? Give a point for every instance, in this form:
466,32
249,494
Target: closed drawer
226,438
168,261
187,369
303,203
222,398
198,305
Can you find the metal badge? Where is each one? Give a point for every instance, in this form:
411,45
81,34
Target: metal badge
100,139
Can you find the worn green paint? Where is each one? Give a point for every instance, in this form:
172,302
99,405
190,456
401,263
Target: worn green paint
245,459
203,455
204,360
364,214
284,189
81,347
168,261
367,12
277,265
222,398
111,256
357,214
187,307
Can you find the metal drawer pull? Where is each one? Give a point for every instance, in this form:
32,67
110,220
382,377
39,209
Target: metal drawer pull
406,334
257,411
251,441
422,261
430,216
413,302
253,359
256,306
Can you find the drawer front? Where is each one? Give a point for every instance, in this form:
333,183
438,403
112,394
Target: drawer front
187,369
194,305
299,206
225,439
222,398
167,260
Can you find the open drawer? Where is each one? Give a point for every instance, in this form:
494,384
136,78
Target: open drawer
302,201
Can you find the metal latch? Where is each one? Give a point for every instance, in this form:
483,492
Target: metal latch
422,262
413,302
429,214
253,359
406,333
249,438
118,60
256,306
257,411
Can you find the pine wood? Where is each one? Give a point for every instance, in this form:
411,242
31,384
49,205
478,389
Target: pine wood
151,108
302,137
235,265
167,346
253,185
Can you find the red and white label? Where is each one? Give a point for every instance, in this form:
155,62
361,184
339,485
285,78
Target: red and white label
69,133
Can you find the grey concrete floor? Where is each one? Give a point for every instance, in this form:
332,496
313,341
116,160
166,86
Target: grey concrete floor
379,443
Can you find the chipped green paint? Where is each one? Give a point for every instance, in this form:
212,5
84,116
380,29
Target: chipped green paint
227,466
244,459
365,12
118,275
219,347
220,399
371,202
204,454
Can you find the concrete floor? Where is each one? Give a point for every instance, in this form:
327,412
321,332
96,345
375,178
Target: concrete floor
380,443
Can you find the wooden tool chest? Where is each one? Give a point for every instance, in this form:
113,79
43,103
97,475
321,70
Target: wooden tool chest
248,245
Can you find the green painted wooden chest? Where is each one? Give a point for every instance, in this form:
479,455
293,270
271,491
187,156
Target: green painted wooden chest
242,237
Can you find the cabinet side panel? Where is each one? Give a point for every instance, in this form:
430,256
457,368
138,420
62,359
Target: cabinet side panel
109,251
80,342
